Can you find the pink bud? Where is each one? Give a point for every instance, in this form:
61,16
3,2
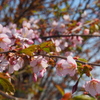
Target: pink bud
66,17
86,31
34,77
54,23
84,14
79,23
41,74
29,41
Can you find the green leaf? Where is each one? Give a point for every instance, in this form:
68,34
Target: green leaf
46,49
6,85
30,50
47,46
83,97
82,59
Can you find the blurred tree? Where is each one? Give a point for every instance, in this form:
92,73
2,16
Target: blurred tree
52,87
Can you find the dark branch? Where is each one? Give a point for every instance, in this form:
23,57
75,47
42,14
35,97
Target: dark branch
6,52
9,96
70,35
62,57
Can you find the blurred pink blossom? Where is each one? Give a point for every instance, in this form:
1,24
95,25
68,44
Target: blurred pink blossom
15,64
3,63
39,64
1,28
93,87
4,41
67,66
76,40
66,17
86,31
57,44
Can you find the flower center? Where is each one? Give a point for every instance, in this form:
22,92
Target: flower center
1,39
59,67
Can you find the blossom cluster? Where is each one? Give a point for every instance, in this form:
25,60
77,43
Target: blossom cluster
15,39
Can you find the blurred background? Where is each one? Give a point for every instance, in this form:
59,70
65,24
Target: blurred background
51,86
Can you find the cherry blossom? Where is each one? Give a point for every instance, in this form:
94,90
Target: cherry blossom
59,26
3,63
66,17
12,26
67,66
15,64
57,44
86,31
84,14
93,87
39,64
76,40
41,74
34,22
54,24
4,41
1,28
15,39
26,24
34,76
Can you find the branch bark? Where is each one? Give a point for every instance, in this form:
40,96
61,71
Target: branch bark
70,35
63,57
10,97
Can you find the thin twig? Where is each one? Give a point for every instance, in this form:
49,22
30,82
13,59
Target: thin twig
6,52
73,30
10,97
55,36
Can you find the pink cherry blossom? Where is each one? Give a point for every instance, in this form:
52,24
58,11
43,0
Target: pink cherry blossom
86,31
3,63
76,40
41,74
34,22
54,24
15,64
59,26
34,77
27,33
84,14
68,53
4,41
67,66
66,17
12,26
39,64
93,87
57,44
26,24
1,28
96,33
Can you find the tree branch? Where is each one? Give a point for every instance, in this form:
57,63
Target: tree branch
55,36
73,30
10,97
63,57
6,52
